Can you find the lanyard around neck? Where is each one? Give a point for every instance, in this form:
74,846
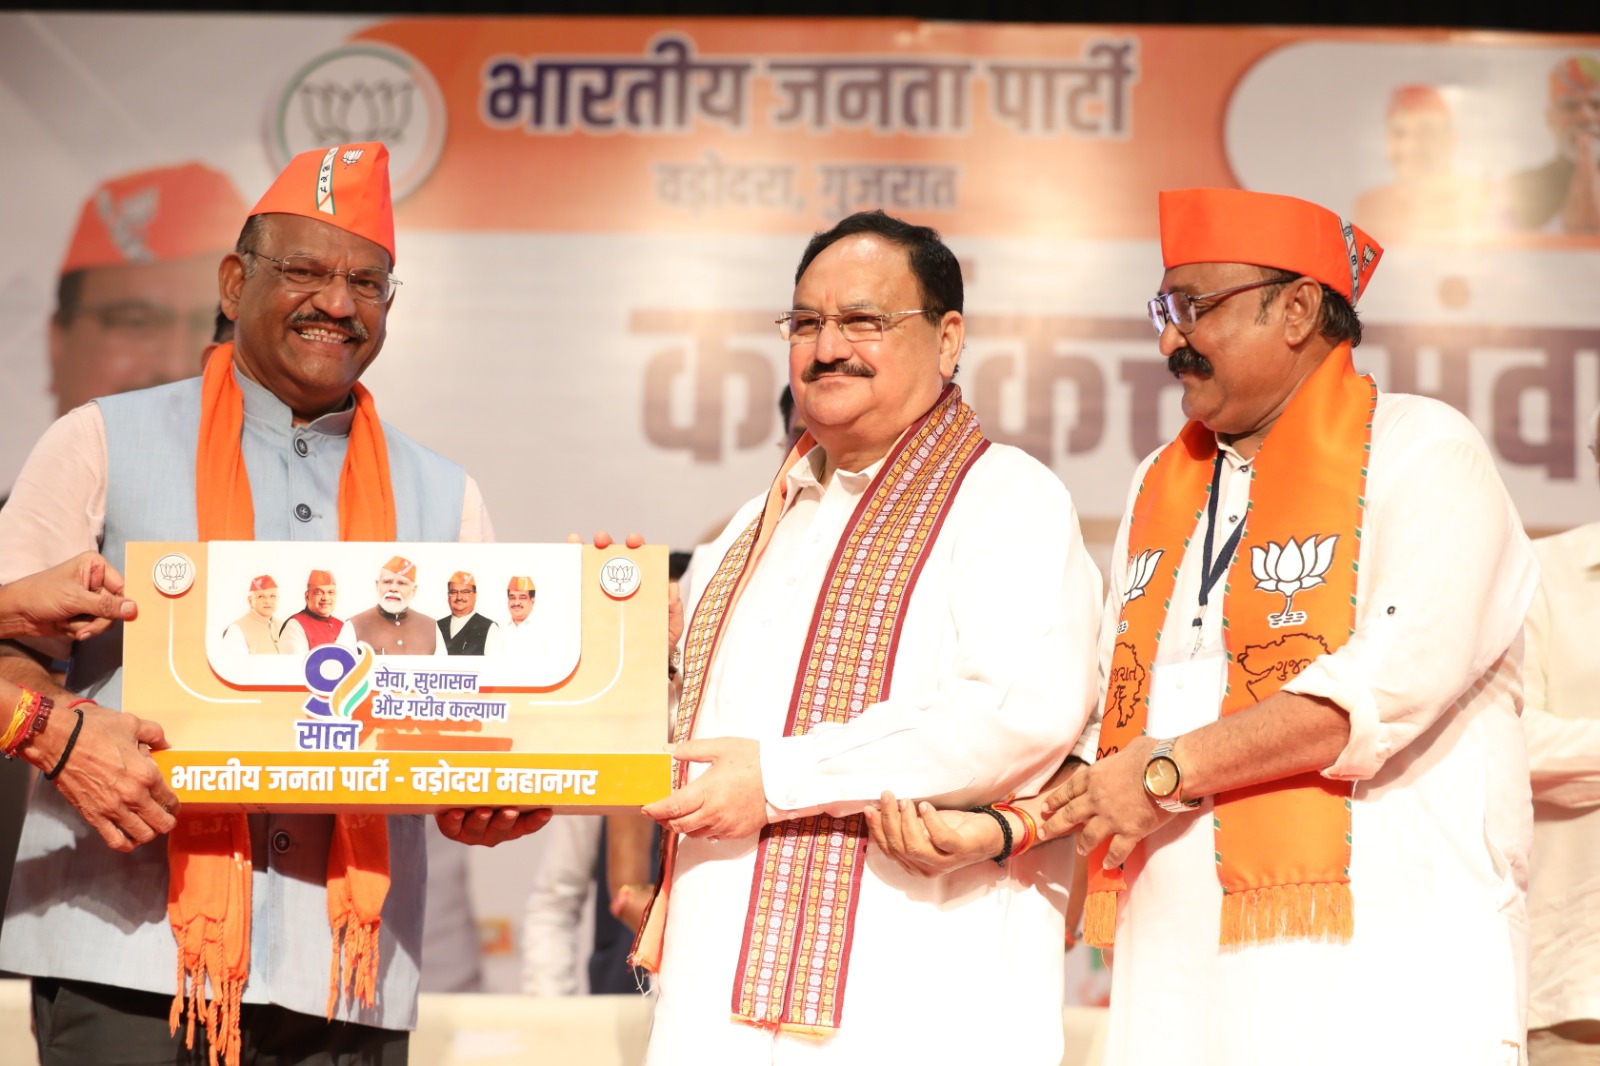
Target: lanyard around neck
1211,571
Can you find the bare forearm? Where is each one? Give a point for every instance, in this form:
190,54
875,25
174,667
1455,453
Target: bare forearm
1284,735
20,667
630,860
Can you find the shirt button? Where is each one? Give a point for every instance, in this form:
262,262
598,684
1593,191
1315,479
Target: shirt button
302,512
301,448
281,841
1233,518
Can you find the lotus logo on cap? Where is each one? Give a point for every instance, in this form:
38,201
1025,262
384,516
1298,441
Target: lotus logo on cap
128,221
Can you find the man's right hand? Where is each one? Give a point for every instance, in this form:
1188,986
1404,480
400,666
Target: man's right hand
109,776
75,599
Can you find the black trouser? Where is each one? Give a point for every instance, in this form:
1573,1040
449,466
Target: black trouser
82,1024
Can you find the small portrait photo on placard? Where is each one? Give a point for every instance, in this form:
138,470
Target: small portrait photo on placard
511,613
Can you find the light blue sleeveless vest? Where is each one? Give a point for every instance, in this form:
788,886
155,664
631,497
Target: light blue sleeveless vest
80,911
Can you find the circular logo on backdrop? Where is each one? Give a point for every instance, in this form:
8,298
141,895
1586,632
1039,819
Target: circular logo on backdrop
173,574
362,92
620,577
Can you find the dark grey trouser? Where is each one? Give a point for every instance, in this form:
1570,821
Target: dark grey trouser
78,1023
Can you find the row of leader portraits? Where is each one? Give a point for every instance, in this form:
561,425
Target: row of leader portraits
1283,746
390,626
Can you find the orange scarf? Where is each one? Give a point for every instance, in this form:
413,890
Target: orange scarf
208,894
1283,848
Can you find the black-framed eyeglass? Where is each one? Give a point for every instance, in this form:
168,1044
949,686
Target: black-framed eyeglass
303,274
1179,308
804,327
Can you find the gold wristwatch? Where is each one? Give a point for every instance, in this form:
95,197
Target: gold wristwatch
1163,779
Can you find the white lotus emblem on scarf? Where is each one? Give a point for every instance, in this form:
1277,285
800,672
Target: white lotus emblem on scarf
1291,568
1141,568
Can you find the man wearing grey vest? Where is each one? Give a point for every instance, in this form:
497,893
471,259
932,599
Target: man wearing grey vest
277,441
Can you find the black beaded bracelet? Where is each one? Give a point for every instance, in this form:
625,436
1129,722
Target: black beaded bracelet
78,727
1005,832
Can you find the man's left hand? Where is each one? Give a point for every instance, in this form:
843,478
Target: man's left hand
1108,800
726,801
489,825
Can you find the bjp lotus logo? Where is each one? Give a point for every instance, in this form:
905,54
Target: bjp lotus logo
1291,568
173,574
1141,568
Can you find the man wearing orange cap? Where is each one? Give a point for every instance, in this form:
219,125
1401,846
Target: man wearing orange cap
276,441
1307,817
256,632
521,635
1563,195
1427,199
390,625
137,294
313,625
466,632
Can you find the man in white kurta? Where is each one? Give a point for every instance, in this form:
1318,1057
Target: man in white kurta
1562,723
994,671
1440,818
1417,711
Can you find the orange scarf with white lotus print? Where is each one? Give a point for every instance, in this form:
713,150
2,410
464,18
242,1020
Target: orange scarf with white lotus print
1283,847
208,892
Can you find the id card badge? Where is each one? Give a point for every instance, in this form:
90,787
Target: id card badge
1186,695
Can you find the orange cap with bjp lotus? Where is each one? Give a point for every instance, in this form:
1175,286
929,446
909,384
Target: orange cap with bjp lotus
401,566
318,578
156,215
262,583
1265,229
520,584
345,186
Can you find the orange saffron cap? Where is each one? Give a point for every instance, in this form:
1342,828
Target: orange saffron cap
1265,229
345,186
156,215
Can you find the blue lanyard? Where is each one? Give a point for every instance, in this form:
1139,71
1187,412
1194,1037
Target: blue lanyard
1211,572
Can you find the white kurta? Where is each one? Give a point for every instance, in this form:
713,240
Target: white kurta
993,679
1441,817
1562,722
515,639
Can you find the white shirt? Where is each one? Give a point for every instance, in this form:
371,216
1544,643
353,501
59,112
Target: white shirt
1441,816
561,908
519,639
1562,723
992,680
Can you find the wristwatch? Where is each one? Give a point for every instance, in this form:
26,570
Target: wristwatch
1163,779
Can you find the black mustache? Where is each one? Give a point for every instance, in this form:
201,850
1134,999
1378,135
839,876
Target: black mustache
1187,360
848,369
313,317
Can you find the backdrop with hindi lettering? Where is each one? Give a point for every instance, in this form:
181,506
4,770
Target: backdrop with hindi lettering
599,219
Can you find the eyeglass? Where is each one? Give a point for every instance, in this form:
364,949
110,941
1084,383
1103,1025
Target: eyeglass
1179,307
464,592
804,327
141,321
301,273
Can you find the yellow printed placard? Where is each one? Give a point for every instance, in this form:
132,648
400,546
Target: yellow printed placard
318,676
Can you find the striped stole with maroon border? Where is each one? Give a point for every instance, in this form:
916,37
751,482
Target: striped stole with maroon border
795,957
